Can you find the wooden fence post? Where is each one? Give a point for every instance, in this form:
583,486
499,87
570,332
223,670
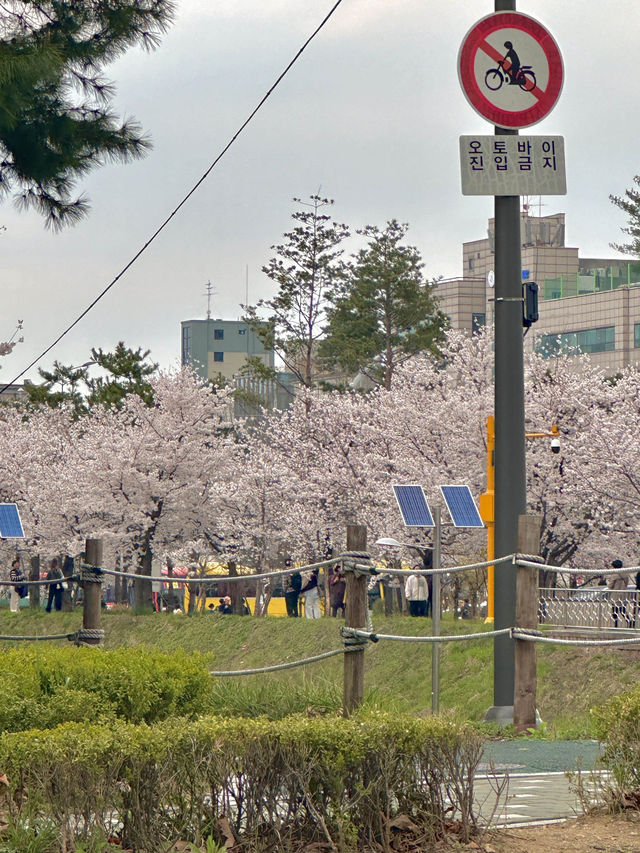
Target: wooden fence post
91,581
355,616
524,699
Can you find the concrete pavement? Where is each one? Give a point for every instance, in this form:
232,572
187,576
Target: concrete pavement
522,781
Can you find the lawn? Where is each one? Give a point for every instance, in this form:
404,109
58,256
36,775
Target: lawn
397,675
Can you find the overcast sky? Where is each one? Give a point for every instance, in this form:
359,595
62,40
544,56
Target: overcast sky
370,116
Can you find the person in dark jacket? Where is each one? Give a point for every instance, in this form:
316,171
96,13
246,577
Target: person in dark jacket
292,589
55,589
16,577
337,588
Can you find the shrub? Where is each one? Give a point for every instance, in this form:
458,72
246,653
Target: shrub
279,784
618,727
44,686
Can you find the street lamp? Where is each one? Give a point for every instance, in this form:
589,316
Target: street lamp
435,598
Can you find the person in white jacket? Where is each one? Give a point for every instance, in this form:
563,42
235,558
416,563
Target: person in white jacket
311,597
417,593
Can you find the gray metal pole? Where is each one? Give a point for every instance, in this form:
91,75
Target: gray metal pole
510,472
435,614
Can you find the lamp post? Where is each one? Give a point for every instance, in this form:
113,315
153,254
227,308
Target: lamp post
435,598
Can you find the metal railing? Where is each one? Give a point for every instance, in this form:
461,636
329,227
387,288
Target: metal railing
589,607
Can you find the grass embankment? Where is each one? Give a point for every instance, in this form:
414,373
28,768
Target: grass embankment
397,675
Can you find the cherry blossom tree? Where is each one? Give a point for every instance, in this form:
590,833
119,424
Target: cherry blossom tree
138,476
339,454
156,465
607,470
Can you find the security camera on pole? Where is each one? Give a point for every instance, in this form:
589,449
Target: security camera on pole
511,72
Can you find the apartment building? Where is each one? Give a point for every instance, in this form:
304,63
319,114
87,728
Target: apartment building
592,304
214,347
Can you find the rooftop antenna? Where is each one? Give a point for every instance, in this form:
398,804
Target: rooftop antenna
210,293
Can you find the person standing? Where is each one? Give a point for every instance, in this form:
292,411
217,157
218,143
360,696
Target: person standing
337,588
55,589
292,588
417,593
311,596
16,577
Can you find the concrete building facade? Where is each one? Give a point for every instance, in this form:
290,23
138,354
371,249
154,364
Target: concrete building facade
592,304
215,347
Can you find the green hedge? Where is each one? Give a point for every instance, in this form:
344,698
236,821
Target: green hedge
41,687
279,784
618,728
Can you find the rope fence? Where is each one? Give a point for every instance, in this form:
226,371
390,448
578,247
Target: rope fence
212,578
441,638
356,639
358,633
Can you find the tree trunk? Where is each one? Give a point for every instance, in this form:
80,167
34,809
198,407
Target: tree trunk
142,590
34,575
235,591
67,571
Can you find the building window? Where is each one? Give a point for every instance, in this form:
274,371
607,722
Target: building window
186,344
242,331
218,356
471,264
218,335
478,322
584,341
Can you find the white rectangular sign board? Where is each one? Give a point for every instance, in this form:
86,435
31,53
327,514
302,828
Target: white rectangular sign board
512,165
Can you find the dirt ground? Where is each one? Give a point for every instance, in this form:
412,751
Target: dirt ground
601,833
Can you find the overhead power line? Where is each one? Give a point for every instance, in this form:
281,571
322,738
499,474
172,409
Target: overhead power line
193,189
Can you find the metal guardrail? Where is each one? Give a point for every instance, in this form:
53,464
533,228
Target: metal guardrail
589,607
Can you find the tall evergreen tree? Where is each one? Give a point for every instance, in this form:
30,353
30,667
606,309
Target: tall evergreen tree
386,311
55,119
305,269
630,204
127,371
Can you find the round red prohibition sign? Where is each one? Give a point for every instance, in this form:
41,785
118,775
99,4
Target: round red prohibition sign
510,69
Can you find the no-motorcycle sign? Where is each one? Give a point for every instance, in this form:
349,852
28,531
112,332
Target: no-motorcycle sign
510,69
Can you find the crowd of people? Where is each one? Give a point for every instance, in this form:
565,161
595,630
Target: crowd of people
20,589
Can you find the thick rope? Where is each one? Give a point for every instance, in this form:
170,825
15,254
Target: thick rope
90,574
448,638
84,634
43,582
36,638
537,637
350,564
447,570
214,578
524,560
280,666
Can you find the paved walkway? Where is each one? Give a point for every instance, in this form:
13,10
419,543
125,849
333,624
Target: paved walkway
524,781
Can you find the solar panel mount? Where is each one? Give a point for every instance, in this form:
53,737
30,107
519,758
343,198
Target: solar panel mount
10,524
413,506
461,505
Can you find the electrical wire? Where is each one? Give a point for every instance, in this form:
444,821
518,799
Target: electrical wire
184,200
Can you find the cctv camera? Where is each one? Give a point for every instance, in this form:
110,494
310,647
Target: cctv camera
555,445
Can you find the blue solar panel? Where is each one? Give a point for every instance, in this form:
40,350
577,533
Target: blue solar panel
461,506
413,506
10,524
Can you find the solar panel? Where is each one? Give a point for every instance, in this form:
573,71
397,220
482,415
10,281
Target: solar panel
10,524
461,506
413,506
